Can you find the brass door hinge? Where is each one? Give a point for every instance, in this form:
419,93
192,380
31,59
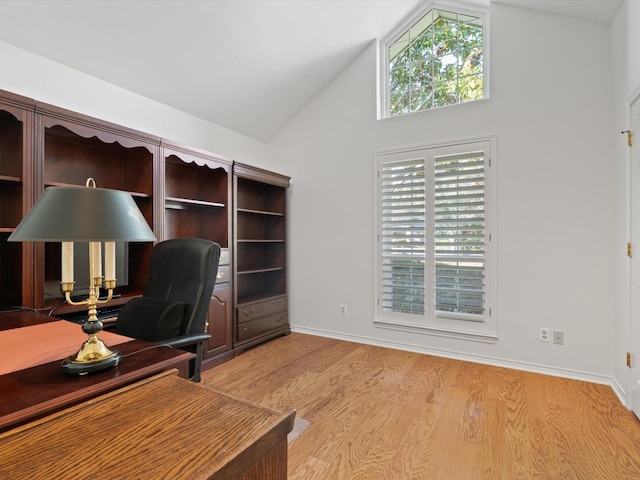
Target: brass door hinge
629,137
629,249
629,359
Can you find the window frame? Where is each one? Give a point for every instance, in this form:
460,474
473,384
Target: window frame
479,328
383,54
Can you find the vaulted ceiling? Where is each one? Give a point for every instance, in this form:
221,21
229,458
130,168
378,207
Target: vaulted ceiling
247,65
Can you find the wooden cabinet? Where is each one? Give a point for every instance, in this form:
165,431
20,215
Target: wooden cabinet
197,203
181,191
16,197
197,195
70,149
260,249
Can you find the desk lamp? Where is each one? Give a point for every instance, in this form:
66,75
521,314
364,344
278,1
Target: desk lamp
94,215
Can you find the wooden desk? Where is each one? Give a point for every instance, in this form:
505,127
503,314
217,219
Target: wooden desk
162,427
37,391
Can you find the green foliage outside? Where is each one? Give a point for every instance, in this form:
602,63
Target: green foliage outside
439,61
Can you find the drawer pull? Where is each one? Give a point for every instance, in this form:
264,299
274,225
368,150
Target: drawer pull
219,275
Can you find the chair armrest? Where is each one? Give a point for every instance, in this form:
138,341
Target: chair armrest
185,340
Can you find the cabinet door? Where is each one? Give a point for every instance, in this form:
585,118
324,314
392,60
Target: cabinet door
219,346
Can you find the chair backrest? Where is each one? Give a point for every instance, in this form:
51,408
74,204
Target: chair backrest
184,270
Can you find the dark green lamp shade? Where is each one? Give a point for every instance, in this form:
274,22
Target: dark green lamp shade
83,214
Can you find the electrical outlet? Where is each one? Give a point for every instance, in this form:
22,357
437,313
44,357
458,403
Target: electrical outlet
544,334
343,310
558,337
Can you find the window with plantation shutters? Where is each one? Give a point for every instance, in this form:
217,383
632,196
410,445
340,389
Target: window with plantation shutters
434,219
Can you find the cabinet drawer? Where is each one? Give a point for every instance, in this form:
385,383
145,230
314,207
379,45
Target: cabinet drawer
223,274
257,327
224,256
258,309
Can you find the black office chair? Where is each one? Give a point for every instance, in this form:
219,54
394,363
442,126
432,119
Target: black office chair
174,306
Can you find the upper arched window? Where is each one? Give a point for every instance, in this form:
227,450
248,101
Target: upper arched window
439,60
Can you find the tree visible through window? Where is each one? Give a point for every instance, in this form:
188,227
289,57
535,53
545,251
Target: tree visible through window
438,61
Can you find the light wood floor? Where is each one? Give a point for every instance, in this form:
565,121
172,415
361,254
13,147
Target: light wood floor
378,413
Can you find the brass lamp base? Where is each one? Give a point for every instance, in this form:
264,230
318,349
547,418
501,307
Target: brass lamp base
93,356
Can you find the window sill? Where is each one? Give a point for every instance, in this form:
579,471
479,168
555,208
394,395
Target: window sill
386,116
438,332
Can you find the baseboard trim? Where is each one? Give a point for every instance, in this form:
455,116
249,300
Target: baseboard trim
482,359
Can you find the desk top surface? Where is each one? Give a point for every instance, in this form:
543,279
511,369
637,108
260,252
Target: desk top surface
23,318
35,345
161,427
36,391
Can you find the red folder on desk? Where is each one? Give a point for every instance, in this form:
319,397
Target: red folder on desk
37,344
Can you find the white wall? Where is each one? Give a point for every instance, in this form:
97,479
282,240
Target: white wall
550,108
49,82
625,45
